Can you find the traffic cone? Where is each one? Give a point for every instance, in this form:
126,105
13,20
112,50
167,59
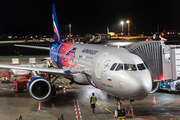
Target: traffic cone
39,108
154,100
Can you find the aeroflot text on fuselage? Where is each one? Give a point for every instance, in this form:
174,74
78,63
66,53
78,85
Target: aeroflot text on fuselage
92,52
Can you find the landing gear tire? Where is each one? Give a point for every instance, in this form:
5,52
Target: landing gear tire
116,113
122,112
20,90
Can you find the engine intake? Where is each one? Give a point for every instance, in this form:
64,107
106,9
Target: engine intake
39,88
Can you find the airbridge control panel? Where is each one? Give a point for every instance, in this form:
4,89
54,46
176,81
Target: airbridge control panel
163,61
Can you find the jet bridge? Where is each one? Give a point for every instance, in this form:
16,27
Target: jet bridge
163,62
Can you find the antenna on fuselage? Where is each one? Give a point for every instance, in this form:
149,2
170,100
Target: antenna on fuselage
118,46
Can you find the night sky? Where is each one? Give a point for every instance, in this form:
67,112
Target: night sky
88,16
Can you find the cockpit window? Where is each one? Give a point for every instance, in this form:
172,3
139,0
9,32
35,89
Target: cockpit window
141,66
113,66
119,67
130,67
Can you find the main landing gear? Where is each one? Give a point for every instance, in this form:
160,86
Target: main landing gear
53,88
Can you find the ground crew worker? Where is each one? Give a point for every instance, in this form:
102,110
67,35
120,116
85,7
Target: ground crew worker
48,64
93,102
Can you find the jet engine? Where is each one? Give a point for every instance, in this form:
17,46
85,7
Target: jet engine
39,88
155,86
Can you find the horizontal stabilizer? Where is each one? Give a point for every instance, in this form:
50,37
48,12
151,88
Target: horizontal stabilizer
47,58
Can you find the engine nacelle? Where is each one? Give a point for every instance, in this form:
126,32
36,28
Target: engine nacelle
39,88
155,87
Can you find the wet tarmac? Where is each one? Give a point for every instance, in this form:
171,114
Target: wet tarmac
74,102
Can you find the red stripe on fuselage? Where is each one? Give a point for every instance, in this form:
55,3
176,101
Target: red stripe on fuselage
64,49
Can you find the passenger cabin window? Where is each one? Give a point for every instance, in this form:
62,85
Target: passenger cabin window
119,67
141,66
130,67
113,66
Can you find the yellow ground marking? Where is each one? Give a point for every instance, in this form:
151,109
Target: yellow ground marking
63,82
97,103
58,79
76,90
69,86
109,110
86,96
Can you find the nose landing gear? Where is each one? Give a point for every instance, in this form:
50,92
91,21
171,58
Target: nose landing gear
119,112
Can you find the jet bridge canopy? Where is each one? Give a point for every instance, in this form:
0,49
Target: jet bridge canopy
151,53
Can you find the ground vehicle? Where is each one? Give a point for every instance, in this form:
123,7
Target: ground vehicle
5,76
20,85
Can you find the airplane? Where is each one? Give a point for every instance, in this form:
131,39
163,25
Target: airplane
113,70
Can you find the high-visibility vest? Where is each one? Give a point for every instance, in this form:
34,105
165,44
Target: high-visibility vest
93,100
48,63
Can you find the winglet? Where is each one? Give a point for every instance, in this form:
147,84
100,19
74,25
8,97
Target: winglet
57,35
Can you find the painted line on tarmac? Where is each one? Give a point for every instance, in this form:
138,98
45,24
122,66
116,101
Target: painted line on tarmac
63,82
86,96
156,106
173,104
77,110
175,119
109,110
77,91
174,116
58,79
97,103
69,86
145,104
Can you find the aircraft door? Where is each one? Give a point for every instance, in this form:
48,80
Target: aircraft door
99,65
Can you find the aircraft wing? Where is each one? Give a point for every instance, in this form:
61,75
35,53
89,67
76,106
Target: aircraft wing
45,70
36,47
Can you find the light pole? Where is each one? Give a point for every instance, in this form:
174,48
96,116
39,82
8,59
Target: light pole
122,22
128,22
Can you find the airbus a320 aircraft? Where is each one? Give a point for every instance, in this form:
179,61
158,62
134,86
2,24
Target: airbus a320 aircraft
113,70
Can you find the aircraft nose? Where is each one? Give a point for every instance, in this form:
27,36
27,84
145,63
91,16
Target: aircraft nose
141,85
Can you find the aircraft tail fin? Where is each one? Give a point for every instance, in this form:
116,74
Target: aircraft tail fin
57,35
